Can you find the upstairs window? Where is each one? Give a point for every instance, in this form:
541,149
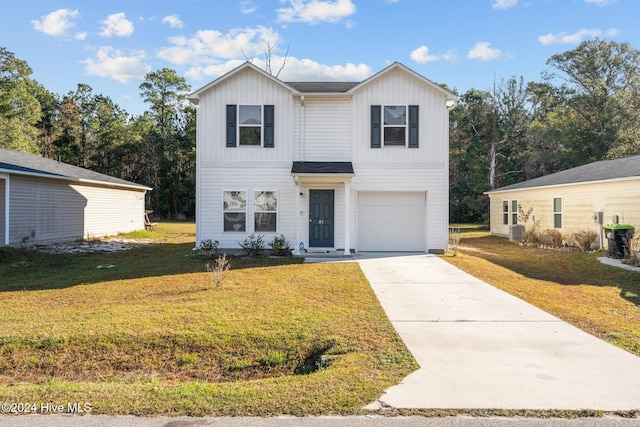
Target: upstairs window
250,126
394,126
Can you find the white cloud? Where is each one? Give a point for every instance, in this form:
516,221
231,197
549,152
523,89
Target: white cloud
600,2
114,64
173,21
315,11
504,4
80,36
210,46
247,7
57,22
421,55
575,38
483,52
116,25
294,70
391,1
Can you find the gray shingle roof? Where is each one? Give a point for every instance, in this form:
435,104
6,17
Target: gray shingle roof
321,168
322,87
624,167
23,163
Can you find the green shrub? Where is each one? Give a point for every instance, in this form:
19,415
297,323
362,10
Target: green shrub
208,248
280,246
253,245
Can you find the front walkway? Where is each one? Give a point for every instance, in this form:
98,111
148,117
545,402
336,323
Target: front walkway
479,347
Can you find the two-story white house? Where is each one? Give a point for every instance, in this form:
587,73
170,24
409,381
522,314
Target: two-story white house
336,166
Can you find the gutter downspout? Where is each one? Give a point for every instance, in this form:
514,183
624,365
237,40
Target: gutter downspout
6,210
302,136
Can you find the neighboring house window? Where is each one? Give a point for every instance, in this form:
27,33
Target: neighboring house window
235,210
514,212
505,212
557,212
250,125
265,211
394,126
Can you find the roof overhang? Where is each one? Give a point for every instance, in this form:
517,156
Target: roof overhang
567,184
332,169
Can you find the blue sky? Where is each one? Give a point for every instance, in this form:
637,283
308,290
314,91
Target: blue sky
111,45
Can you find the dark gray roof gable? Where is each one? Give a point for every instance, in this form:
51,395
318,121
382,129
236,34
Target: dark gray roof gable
624,167
28,164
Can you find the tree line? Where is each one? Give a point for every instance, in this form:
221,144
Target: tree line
82,128
586,107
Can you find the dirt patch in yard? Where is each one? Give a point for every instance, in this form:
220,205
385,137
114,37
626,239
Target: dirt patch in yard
114,244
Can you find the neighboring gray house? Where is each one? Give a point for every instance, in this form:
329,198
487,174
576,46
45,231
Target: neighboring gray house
46,200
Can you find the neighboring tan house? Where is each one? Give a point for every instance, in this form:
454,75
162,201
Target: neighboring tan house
45,200
576,199
343,166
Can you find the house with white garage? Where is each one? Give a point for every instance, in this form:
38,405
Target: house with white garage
44,200
332,166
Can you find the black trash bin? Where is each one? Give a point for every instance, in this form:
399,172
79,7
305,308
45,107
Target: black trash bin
618,236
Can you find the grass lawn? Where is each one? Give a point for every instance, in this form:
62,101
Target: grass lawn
574,286
155,336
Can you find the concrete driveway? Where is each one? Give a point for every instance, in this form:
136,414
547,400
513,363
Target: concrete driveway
479,347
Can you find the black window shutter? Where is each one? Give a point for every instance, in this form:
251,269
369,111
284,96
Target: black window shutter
413,126
268,126
231,125
376,127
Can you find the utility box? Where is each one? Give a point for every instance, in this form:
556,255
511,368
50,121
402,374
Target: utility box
618,236
516,233
598,218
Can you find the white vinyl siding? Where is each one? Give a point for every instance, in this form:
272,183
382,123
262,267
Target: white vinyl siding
245,88
57,210
326,130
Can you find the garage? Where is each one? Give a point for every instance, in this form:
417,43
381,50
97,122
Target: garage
391,221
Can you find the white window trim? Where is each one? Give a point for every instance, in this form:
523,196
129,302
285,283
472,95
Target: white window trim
240,125
514,213
503,212
253,198
246,211
406,125
561,213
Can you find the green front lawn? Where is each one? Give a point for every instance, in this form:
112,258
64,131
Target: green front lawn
574,286
154,335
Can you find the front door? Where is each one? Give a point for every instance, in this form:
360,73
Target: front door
321,218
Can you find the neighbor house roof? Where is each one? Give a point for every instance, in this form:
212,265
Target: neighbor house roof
603,170
19,163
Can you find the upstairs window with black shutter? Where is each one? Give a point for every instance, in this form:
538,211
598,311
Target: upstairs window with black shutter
394,126
250,125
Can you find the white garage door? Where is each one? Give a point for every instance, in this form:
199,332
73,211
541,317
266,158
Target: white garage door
391,221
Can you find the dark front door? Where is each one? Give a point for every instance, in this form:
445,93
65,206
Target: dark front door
321,218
